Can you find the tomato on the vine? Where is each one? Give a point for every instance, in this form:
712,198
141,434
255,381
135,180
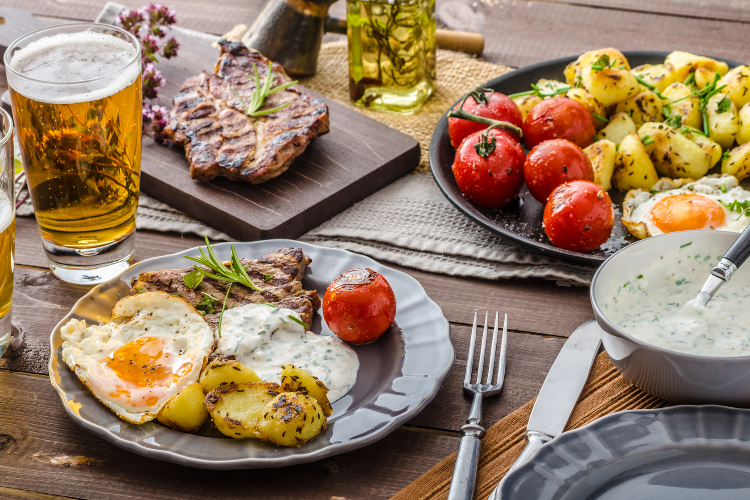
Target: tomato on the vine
553,162
488,168
579,216
359,306
487,104
559,118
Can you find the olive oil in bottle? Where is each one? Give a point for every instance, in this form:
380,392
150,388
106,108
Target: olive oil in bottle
391,53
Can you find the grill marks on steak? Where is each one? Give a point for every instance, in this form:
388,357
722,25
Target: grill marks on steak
220,139
284,289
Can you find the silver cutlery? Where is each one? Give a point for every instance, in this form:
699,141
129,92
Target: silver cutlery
560,391
465,471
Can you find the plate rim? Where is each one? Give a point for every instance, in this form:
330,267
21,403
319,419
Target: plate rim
252,462
596,426
461,203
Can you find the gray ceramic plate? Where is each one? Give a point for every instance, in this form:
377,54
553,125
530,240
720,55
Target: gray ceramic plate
398,375
677,453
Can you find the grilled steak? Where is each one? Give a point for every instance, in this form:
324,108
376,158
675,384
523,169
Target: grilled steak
220,139
277,274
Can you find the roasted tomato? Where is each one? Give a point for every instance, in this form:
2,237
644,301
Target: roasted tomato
559,118
497,107
488,168
579,216
359,305
551,163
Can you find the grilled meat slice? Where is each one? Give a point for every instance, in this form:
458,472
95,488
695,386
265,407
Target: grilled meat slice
277,274
220,139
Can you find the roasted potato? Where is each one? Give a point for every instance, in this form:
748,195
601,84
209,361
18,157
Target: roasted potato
296,379
185,412
596,108
223,371
685,63
737,84
709,146
643,108
633,167
743,130
602,155
573,70
526,102
675,155
658,75
650,130
619,126
549,86
723,122
236,408
704,77
738,162
291,419
688,107
610,85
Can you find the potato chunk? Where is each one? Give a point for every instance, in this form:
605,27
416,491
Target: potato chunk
658,75
738,162
236,408
633,167
737,84
223,371
549,86
643,108
602,155
743,131
526,102
685,63
619,126
291,419
723,122
573,70
296,379
687,107
706,144
185,412
596,108
610,85
675,155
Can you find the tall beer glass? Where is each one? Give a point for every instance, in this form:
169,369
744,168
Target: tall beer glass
76,95
7,226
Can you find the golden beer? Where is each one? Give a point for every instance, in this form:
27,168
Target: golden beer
7,227
76,97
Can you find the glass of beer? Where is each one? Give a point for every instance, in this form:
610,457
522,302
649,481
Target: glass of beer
76,96
7,226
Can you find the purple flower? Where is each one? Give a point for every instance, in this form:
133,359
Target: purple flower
131,20
149,48
151,80
170,48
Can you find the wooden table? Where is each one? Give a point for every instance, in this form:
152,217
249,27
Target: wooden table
44,455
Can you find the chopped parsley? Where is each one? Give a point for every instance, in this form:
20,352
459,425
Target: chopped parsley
140,289
639,276
686,245
296,320
207,304
626,284
723,188
267,277
193,279
723,105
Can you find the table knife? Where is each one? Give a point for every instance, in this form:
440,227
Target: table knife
560,391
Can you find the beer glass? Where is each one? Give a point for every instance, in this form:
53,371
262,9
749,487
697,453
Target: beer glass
76,96
7,226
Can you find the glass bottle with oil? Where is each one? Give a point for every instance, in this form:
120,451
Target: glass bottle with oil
391,53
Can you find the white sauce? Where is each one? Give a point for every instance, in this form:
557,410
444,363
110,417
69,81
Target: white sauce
670,284
265,338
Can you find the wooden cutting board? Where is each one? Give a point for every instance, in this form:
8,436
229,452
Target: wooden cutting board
355,159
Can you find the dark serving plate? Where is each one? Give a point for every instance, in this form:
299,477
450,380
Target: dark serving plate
521,221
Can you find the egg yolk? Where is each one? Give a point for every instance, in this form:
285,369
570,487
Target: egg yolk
683,212
144,362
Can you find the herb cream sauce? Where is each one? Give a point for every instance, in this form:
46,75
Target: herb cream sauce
265,338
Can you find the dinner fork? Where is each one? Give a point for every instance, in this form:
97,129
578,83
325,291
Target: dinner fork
465,471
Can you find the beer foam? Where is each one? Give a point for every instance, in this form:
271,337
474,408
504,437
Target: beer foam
6,211
53,61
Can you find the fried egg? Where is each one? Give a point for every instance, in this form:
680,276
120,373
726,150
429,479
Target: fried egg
154,345
685,204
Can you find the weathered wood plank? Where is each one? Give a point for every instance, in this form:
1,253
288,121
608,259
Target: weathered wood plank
41,440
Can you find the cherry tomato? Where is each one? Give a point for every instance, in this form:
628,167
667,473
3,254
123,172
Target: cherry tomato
359,305
498,107
493,181
551,163
579,216
559,118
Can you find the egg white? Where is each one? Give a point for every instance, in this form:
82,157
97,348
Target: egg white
639,202
153,314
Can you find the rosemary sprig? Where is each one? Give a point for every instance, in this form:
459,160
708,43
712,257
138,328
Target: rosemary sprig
261,92
235,273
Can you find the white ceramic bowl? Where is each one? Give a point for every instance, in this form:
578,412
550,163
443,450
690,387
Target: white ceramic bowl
674,376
